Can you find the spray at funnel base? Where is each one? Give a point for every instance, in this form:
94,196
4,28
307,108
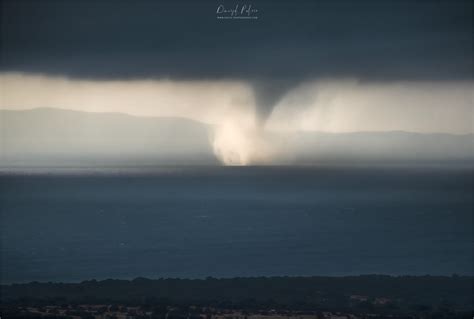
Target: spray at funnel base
240,145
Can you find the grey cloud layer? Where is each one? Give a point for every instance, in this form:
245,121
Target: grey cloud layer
292,40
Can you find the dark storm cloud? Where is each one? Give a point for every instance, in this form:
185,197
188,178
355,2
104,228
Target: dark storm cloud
290,42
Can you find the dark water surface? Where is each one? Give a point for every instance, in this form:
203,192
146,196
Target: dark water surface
74,225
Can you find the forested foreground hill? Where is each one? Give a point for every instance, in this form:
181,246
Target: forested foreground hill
394,294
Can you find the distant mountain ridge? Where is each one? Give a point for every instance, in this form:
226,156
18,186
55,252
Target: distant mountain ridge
51,137
378,147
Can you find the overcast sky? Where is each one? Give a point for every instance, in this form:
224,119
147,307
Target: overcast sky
371,40
383,48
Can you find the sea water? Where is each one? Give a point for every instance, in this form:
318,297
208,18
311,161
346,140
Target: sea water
192,222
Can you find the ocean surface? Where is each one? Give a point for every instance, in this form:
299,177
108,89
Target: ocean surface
193,222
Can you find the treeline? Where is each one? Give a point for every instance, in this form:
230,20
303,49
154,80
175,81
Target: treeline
403,293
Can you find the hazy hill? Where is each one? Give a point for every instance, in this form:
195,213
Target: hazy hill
55,137
395,147
62,137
